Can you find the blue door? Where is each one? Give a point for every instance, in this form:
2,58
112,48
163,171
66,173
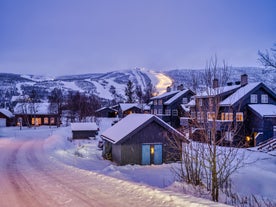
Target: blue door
158,154
145,154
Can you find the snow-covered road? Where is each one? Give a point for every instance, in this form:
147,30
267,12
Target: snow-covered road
30,176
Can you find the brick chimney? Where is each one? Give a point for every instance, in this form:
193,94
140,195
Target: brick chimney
215,83
244,79
169,89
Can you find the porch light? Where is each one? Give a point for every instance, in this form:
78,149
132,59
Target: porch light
151,150
247,138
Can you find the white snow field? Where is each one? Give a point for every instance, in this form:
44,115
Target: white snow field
40,167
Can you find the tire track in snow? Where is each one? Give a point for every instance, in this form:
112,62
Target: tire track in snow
22,189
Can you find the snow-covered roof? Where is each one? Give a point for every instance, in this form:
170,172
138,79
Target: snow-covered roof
129,124
35,108
191,103
217,91
100,109
264,109
7,113
84,126
185,108
126,106
240,93
176,96
165,95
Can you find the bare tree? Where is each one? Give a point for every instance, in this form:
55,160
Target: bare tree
206,161
268,59
56,100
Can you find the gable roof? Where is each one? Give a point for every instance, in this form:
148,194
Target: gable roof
163,95
7,113
132,124
84,126
35,108
127,106
210,92
176,96
264,110
239,94
105,108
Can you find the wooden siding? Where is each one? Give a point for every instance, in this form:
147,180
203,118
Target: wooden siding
130,151
83,134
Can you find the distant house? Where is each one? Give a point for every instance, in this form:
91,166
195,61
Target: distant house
84,130
142,139
243,113
128,108
167,106
106,112
29,114
6,118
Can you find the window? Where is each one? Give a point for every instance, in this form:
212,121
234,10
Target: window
168,112
239,116
264,98
229,136
211,116
253,98
227,116
193,114
52,120
185,100
174,112
160,111
155,111
200,102
160,102
155,102
199,116
46,120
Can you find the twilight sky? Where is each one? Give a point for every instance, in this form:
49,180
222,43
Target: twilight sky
59,37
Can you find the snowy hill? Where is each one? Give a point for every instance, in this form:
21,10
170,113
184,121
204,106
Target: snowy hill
104,85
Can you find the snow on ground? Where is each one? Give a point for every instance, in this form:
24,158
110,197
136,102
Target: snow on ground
258,178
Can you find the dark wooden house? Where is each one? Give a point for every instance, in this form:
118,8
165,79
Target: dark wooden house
236,111
36,114
142,139
6,118
106,112
128,108
84,130
167,106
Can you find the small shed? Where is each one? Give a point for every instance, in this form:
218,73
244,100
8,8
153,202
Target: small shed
84,130
6,118
142,139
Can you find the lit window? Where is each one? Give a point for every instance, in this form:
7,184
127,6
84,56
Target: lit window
253,98
264,98
46,120
239,116
227,116
211,116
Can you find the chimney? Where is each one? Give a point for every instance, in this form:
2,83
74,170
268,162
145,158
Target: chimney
180,87
244,79
215,83
168,89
